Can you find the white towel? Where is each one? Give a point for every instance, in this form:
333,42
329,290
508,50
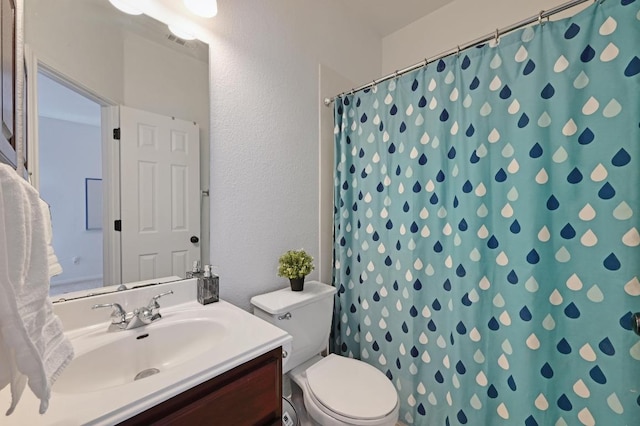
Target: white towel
33,348
54,266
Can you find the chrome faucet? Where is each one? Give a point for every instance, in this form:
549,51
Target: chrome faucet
122,320
118,315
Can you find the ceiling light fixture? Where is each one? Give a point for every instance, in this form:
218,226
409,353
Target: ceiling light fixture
204,8
126,7
178,32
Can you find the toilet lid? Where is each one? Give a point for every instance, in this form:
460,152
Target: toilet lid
351,388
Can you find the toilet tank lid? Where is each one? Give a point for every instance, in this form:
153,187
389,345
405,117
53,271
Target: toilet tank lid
283,300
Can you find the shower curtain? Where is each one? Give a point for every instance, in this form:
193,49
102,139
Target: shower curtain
486,227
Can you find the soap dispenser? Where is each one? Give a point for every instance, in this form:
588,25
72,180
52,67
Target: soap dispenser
208,287
195,270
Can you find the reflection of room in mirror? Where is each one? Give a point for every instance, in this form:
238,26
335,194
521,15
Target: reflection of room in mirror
70,134
116,60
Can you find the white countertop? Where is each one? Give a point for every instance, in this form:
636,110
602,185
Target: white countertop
246,337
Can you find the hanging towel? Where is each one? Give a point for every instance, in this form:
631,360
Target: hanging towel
54,266
33,348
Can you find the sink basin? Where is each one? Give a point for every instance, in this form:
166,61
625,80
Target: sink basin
190,345
137,354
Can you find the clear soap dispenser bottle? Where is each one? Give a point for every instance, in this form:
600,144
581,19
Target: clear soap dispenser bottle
195,270
208,287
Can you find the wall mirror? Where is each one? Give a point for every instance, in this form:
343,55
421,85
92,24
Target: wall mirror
87,64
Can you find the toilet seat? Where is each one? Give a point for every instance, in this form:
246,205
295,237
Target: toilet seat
351,390
325,417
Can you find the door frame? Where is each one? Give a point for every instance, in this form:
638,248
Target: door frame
110,119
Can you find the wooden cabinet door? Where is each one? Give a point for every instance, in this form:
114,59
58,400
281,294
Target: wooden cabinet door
248,400
248,395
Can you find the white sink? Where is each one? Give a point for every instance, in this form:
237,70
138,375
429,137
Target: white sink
189,345
144,351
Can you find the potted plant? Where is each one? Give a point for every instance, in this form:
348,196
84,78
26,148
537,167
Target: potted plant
295,265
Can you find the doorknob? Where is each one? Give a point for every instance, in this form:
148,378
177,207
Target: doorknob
194,239
635,323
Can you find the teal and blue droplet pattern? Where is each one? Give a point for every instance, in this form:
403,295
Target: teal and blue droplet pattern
486,227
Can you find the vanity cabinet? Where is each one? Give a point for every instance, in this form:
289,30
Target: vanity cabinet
250,394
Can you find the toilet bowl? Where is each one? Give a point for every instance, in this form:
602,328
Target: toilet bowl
340,391
337,391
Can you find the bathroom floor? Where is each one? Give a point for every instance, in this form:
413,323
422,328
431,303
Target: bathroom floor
298,402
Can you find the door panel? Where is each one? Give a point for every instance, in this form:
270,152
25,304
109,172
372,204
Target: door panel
160,194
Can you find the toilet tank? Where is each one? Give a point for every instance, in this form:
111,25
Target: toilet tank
306,315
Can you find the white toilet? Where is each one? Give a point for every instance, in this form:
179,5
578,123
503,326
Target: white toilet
338,391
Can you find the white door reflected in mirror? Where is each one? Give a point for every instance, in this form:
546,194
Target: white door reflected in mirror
160,163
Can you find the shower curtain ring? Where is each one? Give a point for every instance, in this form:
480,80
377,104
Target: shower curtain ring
458,50
540,18
396,74
497,38
426,62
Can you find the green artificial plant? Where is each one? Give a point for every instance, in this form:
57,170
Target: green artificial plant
295,264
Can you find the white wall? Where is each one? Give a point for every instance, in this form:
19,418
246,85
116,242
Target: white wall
456,24
87,50
156,80
63,143
265,111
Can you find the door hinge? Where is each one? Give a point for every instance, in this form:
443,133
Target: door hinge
116,134
117,225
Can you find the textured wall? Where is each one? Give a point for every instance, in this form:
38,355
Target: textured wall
265,112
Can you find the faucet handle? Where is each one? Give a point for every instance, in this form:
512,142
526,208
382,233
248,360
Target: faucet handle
118,315
153,303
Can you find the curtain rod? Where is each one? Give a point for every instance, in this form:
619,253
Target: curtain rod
544,14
